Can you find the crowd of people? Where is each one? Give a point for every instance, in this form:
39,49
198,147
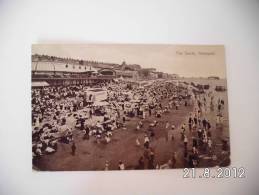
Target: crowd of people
200,129
61,112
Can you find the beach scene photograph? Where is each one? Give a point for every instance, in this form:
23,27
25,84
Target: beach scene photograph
101,107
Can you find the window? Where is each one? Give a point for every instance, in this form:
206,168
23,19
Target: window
66,65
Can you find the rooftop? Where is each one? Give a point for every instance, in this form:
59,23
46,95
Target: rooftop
60,67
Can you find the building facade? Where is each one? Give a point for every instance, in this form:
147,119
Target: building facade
59,73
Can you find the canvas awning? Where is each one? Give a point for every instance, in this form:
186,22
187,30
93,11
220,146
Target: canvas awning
101,103
39,84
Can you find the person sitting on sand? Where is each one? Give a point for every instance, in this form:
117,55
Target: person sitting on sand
121,166
107,139
137,142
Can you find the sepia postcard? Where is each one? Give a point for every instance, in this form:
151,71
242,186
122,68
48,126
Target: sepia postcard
128,107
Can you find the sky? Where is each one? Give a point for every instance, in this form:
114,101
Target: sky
185,60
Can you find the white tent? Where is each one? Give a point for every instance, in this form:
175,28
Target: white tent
102,103
121,78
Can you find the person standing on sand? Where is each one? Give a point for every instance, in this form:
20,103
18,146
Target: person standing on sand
90,113
204,123
150,111
190,121
182,132
73,148
173,160
209,145
141,164
151,159
106,168
171,133
211,106
185,141
146,141
170,136
167,125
